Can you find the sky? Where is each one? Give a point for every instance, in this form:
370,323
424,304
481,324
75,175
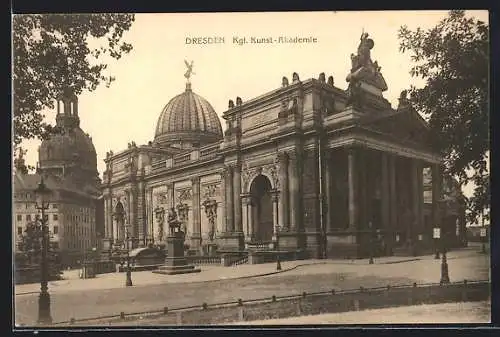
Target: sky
153,72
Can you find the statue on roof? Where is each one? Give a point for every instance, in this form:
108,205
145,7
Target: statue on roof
189,71
362,66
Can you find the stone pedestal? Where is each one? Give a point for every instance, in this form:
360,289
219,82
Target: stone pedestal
175,262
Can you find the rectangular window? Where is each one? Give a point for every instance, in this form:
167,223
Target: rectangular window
19,230
19,217
54,206
28,217
27,206
56,229
54,217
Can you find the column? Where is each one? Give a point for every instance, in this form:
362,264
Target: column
196,231
421,198
385,191
250,219
133,212
229,200
275,199
294,190
127,220
364,210
110,218
106,224
328,197
393,215
149,215
141,212
221,205
417,180
414,225
236,200
283,193
436,195
171,196
353,192
244,219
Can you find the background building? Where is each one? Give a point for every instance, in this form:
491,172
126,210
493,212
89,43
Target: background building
324,169
69,165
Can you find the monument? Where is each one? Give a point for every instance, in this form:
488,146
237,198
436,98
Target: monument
175,262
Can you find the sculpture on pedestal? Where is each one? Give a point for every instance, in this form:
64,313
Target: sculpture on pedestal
173,223
363,69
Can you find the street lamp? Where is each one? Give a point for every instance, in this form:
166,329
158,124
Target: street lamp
42,193
94,260
445,278
370,226
128,281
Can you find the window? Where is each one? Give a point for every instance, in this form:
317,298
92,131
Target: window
56,229
55,206
27,206
28,217
19,231
54,217
19,217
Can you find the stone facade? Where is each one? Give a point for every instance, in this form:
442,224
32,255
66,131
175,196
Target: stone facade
323,169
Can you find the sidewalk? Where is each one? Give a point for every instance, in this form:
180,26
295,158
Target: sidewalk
213,273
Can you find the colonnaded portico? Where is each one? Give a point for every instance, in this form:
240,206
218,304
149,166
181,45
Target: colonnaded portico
324,169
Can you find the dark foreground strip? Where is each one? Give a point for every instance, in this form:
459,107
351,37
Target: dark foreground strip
296,305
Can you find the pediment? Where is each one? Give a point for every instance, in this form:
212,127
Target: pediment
403,125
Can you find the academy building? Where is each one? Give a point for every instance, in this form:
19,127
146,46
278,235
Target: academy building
309,167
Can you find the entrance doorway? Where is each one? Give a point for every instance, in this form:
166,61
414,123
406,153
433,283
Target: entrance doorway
260,190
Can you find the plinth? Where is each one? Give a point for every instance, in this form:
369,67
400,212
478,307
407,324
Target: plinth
175,262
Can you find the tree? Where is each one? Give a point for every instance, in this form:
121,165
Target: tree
53,52
453,59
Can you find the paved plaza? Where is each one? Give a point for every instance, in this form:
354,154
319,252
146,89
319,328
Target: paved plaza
107,295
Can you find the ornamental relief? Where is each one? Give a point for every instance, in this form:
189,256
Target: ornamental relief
161,198
210,191
184,195
269,170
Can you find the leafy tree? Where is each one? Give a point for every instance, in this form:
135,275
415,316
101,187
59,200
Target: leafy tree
453,59
52,52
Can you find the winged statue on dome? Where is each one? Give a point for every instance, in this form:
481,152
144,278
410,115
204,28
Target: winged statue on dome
189,71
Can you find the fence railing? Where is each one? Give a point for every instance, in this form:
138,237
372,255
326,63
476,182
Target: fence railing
204,260
310,303
238,261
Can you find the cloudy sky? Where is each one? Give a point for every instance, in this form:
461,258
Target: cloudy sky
148,77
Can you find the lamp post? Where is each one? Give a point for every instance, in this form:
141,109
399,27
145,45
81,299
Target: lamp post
370,226
445,278
43,193
128,281
94,260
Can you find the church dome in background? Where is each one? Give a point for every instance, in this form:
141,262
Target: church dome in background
72,146
188,120
68,145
